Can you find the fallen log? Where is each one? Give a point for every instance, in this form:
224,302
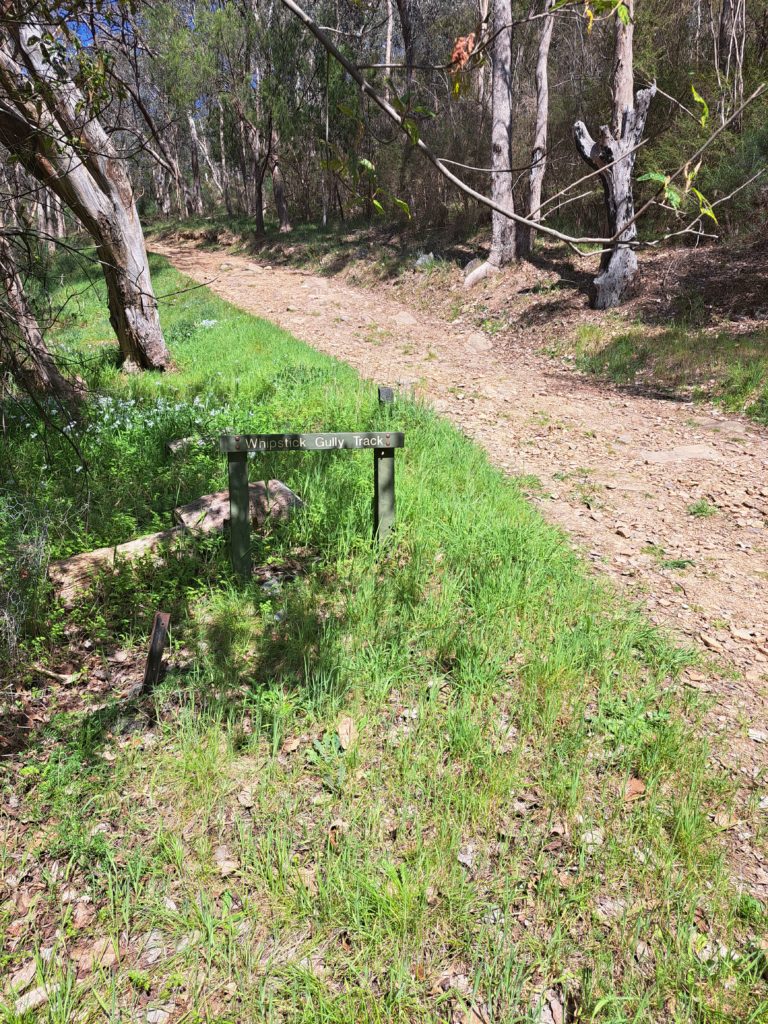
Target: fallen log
208,514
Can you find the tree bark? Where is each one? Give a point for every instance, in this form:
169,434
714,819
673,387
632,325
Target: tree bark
406,30
617,147
730,55
22,345
50,130
196,195
223,162
503,229
278,186
539,152
201,145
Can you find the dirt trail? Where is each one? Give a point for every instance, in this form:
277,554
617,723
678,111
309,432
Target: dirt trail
618,473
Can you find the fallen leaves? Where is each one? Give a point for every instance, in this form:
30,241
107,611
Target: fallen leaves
347,732
226,862
24,977
100,953
634,790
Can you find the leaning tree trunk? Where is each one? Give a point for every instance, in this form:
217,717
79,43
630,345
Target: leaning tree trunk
22,346
614,155
44,121
539,154
503,229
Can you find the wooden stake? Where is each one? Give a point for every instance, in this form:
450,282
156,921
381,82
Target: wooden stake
156,647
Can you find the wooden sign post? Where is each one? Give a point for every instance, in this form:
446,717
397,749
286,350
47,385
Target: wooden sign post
237,446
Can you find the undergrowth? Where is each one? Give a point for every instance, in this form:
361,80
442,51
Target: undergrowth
451,778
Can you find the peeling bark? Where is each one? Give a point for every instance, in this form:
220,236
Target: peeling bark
539,153
617,146
22,346
503,229
56,140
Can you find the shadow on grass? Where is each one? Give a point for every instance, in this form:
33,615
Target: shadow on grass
684,364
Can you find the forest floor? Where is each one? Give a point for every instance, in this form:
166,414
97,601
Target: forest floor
669,498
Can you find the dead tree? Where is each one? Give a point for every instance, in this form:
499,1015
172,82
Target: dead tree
503,229
614,152
22,346
45,122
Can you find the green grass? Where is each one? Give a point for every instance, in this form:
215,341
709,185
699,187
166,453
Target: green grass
702,509
472,846
730,369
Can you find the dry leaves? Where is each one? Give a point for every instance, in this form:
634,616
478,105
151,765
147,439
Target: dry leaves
225,861
101,953
291,744
347,732
24,977
634,790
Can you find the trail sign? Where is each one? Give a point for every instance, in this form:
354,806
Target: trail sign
238,446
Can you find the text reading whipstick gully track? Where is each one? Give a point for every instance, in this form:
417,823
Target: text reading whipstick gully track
238,447
311,442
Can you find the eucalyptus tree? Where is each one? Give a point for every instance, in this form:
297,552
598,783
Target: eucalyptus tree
48,122
23,351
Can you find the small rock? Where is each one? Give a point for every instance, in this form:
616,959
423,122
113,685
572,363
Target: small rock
593,839
160,1014
405,319
758,735
35,999
466,856
479,342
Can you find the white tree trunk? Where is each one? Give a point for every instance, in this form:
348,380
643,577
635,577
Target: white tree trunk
503,229
617,146
278,185
539,152
202,146
58,142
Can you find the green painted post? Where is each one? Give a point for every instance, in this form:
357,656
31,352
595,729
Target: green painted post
383,480
239,514
384,491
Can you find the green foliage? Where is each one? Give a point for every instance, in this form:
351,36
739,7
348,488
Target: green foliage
703,103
